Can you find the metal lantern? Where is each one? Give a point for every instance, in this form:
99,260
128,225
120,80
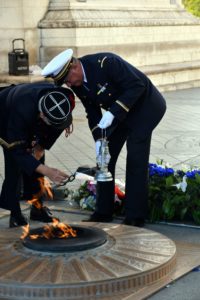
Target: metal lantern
103,159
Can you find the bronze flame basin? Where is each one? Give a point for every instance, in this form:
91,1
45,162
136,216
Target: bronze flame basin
128,260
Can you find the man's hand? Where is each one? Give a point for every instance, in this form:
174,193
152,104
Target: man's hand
55,175
69,130
106,120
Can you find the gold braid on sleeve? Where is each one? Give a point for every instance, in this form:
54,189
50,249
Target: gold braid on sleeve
122,105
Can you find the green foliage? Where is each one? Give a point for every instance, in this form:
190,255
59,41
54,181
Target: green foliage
192,6
167,202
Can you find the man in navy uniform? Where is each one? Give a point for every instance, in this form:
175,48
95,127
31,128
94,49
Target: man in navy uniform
32,117
133,108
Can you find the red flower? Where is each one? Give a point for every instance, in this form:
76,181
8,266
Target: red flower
119,193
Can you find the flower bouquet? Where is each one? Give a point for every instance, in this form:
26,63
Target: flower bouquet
173,194
85,196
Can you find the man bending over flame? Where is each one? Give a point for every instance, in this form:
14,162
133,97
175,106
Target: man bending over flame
32,117
122,103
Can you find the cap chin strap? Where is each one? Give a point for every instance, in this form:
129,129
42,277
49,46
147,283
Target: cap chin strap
63,72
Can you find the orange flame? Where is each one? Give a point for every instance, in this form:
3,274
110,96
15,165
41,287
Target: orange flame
25,232
56,230
45,188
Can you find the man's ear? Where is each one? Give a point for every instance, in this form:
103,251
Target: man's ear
73,67
41,115
44,119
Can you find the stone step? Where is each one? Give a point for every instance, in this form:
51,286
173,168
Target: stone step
179,86
168,77
173,67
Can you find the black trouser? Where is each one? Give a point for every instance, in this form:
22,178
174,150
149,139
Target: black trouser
12,184
31,184
11,188
136,190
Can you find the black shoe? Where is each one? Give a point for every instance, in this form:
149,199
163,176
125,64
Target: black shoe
16,221
42,214
138,222
95,217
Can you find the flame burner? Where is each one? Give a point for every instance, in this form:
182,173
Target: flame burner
87,238
131,260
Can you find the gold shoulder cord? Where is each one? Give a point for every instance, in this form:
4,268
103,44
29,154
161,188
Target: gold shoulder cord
11,145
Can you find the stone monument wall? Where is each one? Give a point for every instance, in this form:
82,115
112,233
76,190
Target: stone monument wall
19,19
158,36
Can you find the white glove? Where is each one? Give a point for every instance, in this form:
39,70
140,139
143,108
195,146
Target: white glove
106,120
97,146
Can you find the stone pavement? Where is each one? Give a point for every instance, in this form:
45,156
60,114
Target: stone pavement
175,140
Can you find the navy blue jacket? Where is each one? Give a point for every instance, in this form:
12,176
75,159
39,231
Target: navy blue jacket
115,85
20,121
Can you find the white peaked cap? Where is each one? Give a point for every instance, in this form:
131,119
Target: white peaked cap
58,67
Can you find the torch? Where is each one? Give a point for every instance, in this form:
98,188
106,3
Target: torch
103,159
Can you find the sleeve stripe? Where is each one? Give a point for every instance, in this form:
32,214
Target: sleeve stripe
122,105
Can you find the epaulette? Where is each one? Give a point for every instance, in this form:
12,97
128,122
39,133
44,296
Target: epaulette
101,61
